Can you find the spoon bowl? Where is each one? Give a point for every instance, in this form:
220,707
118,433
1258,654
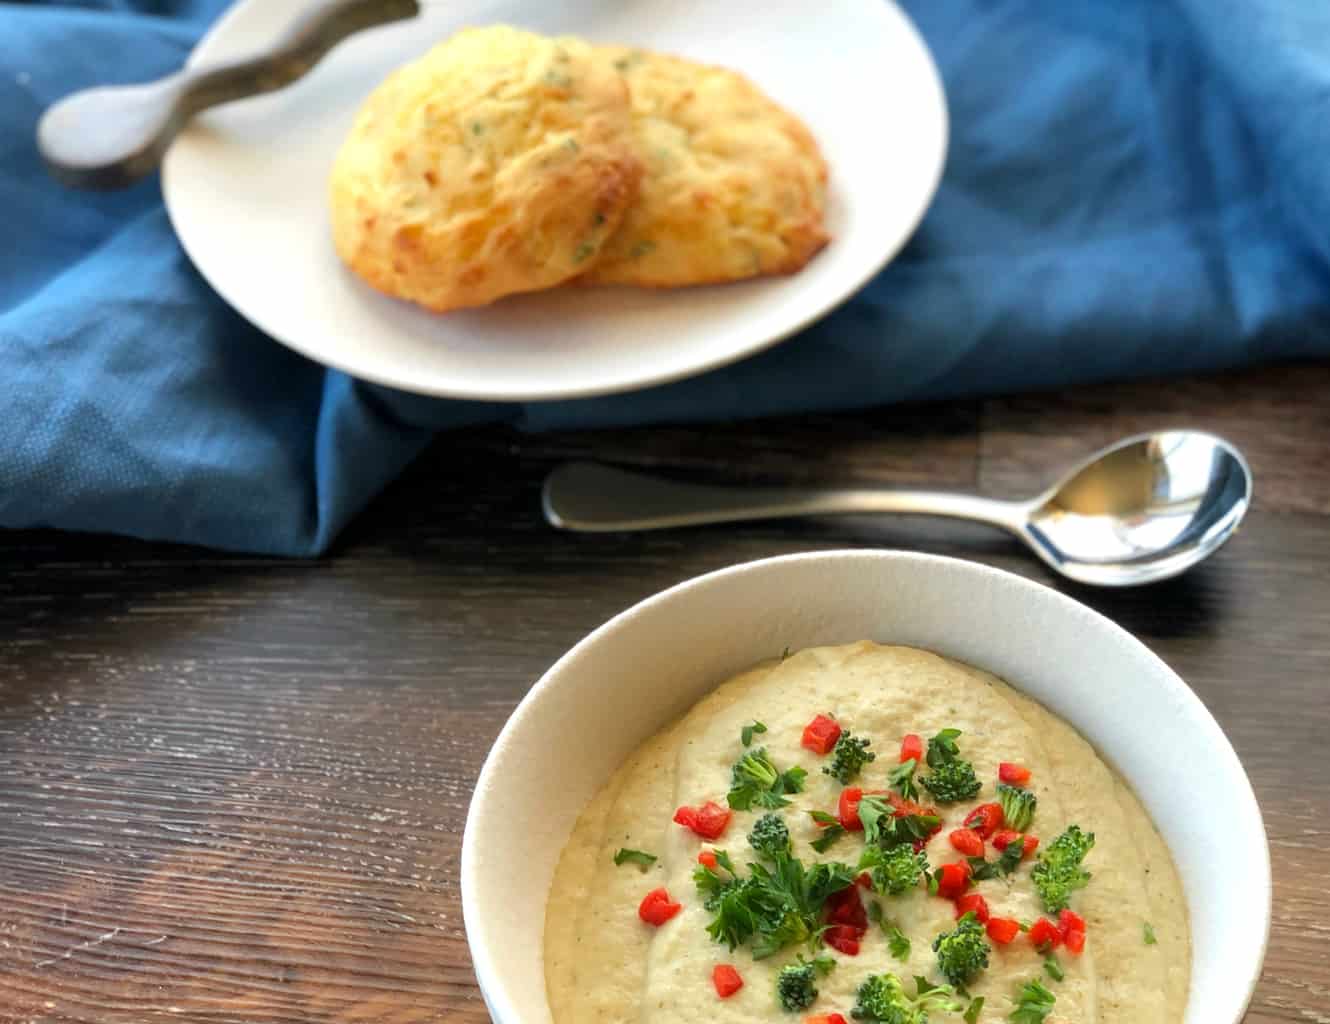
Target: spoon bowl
1139,511
1142,510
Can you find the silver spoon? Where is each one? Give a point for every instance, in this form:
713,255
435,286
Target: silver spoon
111,136
1141,510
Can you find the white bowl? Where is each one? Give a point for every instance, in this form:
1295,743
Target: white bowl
649,664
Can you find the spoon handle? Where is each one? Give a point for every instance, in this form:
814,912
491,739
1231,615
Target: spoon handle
109,137
589,497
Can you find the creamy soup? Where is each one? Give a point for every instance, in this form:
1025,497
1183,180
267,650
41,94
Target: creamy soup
630,942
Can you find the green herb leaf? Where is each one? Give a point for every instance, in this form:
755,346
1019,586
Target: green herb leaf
1008,861
922,986
872,809
829,837
898,944
942,748
973,1010
1053,968
901,779
1150,939
746,733
1033,1003
776,906
627,856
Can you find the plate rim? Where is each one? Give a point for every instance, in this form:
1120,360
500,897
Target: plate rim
400,378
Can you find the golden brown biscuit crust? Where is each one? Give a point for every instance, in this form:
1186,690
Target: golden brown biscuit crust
499,162
735,185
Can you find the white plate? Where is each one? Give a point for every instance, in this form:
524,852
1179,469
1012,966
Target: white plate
645,667
245,188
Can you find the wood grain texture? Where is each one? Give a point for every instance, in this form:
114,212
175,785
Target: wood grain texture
233,789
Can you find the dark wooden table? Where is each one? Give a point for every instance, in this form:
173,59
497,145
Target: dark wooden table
233,789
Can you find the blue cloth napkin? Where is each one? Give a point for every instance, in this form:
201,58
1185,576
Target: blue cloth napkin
1136,187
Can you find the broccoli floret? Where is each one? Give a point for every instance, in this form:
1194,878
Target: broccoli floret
1059,873
952,781
895,870
882,998
848,758
756,780
962,953
796,986
770,836
1018,806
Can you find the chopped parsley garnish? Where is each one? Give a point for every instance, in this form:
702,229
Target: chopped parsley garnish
1053,968
901,779
895,870
1150,939
963,952
746,733
882,998
755,780
770,836
796,986
832,830
627,856
973,1010
898,944
774,906
942,748
1018,806
848,758
1008,861
953,777
1059,873
882,827
1033,1004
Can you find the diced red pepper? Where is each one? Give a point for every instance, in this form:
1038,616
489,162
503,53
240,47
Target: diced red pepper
847,809
1072,927
912,748
656,907
864,881
845,907
1013,774
1070,921
968,841
1003,930
821,734
953,880
1004,837
708,821
825,1018
843,937
1045,935
972,902
984,819
707,858
726,979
